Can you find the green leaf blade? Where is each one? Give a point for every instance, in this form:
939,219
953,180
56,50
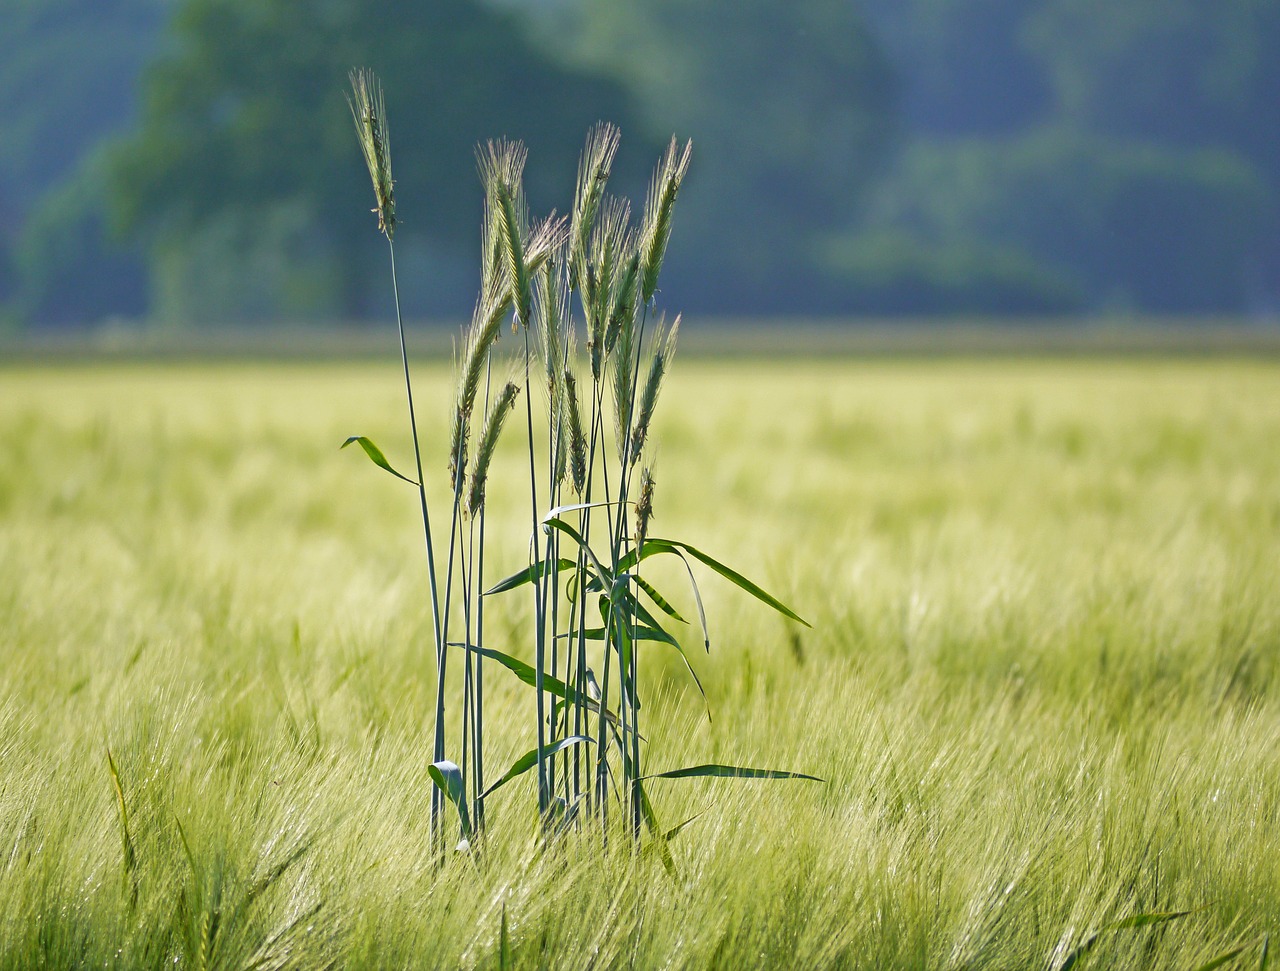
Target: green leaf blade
654,545
527,761
376,456
527,575
448,779
714,770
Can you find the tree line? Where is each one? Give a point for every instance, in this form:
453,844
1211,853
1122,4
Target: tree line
191,160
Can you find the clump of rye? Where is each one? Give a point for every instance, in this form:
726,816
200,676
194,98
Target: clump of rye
590,600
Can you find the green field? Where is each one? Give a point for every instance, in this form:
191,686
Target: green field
1043,680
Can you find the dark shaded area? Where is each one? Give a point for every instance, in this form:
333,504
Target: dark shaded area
192,161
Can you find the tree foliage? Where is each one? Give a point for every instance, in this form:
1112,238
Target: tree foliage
67,73
791,107
245,129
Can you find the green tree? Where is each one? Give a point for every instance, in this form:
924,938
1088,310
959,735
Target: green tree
68,69
246,151
1118,222
790,107
964,65
1179,72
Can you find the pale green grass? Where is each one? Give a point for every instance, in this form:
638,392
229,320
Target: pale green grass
1044,680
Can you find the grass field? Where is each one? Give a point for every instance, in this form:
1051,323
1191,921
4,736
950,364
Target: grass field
1043,680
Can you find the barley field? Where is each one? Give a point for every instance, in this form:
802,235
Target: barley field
1042,683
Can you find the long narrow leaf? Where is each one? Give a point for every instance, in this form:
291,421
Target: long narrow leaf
1222,959
527,674
659,601
697,599
376,456
554,686
530,759
654,546
717,771
527,575
627,600
641,633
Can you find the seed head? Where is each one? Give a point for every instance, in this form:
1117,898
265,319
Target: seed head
593,172
657,213
577,440
368,108
644,506
486,322
488,443
664,350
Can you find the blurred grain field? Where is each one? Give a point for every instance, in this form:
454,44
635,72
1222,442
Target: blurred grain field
1043,679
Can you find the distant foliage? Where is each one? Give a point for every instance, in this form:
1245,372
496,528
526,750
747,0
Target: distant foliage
794,106
244,129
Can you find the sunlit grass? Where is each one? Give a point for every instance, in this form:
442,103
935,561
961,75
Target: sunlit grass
1043,680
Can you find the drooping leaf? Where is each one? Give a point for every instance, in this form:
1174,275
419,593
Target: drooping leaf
556,523
376,456
697,599
530,759
717,771
448,779
626,600
527,674
658,634
654,546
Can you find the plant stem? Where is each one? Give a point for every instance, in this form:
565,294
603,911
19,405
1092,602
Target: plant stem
539,612
437,631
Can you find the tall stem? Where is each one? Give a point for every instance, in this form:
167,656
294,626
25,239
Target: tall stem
538,605
478,587
436,797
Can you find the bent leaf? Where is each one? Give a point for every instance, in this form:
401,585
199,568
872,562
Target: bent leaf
697,599
654,546
376,456
717,771
573,534
530,759
448,779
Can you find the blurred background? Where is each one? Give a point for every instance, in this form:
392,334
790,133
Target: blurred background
188,164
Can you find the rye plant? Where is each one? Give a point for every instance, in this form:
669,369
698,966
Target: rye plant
591,500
